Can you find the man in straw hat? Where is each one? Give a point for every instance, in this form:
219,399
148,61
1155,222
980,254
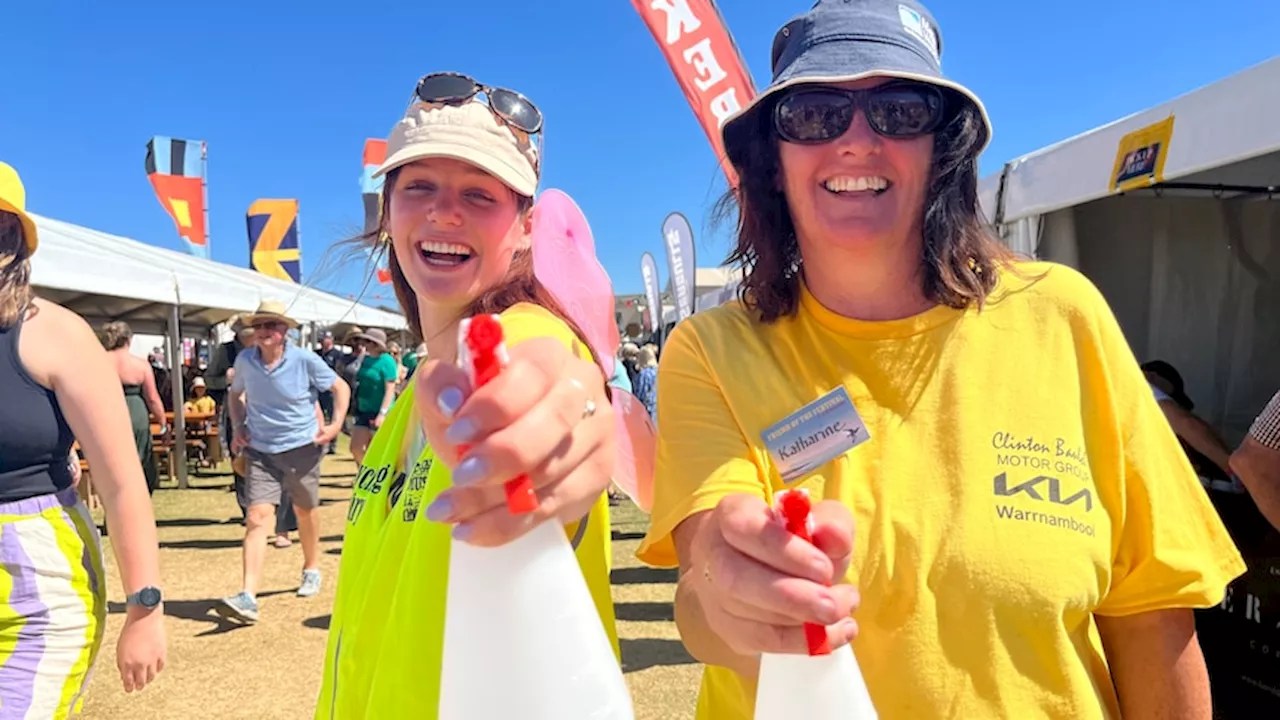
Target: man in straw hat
272,403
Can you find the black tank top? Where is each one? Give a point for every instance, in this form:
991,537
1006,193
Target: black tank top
35,441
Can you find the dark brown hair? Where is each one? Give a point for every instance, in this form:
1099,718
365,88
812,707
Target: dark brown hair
519,285
960,254
15,270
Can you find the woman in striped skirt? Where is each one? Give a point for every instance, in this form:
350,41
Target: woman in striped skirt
56,385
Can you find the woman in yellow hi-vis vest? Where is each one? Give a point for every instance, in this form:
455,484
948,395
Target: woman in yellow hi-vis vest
461,170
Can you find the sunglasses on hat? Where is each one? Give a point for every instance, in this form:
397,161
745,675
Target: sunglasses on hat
515,109
811,115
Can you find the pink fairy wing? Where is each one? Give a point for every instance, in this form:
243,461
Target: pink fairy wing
637,447
564,260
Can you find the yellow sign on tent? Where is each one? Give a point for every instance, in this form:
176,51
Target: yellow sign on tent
1141,155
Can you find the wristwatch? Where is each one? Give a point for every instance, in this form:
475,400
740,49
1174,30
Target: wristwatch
148,597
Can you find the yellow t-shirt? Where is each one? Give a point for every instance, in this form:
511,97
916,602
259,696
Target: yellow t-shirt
200,406
1019,480
386,634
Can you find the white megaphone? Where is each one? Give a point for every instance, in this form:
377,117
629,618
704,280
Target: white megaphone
824,685
522,636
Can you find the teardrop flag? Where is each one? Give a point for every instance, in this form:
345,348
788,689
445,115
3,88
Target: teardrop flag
176,171
375,153
273,239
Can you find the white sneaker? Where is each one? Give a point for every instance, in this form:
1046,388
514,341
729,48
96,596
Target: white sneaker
310,583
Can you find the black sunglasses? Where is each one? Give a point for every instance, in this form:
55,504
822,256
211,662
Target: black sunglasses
455,88
812,115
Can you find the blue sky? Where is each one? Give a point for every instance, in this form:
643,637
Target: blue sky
286,92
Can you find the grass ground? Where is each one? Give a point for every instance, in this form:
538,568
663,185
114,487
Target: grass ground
272,670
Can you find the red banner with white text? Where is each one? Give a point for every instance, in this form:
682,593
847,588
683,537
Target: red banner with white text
705,60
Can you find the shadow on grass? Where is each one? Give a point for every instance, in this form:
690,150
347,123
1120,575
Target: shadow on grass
645,611
201,544
220,487
643,576
194,522
623,535
320,622
199,611
644,653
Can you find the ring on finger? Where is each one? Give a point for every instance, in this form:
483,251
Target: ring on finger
589,408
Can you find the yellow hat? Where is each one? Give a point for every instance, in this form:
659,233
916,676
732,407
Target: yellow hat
13,198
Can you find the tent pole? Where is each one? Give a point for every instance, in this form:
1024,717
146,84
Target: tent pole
204,190
175,387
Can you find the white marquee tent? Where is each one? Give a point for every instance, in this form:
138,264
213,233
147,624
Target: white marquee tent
1191,263
103,276
106,277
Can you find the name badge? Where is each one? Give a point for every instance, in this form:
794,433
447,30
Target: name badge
815,434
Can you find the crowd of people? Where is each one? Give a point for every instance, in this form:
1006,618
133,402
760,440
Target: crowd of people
1006,524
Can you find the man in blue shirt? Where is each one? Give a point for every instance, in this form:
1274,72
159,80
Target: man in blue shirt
272,403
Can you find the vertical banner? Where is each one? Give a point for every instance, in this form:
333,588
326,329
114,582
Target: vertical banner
176,171
652,293
705,60
274,249
680,262
375,153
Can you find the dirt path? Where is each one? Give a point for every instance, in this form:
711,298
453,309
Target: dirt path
272,670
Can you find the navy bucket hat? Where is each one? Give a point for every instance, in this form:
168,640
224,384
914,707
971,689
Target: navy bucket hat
845,40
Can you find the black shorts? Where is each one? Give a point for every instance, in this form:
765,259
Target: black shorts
365,420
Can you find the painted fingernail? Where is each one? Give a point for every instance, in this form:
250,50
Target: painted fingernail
470,471
462,431
463,532
449,400
440,510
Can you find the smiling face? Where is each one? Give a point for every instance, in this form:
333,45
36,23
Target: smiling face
455,229
269,335
858,191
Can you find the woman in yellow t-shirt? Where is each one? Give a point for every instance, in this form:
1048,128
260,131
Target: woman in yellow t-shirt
1030,539
460,176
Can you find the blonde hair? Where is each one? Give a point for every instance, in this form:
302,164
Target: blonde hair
648,357
15,270
116,335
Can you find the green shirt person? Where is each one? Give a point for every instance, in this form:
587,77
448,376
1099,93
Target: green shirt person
376,381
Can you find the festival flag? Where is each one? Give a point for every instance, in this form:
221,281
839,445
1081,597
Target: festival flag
176,171
705,60
375,153
680,262
273,239
652,295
